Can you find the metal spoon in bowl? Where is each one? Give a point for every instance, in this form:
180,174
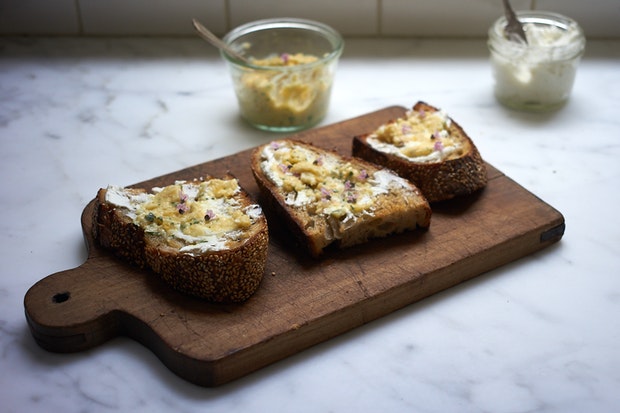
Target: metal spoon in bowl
514,29
207,35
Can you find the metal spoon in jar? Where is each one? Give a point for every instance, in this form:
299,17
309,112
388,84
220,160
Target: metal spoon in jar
514,29
207,35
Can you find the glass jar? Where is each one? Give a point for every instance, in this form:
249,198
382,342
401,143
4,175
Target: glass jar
286,85
539,75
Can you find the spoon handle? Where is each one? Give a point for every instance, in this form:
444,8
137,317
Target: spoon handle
216,41
514,28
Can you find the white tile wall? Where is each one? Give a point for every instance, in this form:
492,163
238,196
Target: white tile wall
39,16
599,18
145,17
350,17
437,17
442,18
411,18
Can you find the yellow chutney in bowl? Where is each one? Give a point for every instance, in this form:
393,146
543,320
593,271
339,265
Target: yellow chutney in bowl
286,81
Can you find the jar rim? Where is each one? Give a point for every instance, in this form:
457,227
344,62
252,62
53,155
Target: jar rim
498,39
330,34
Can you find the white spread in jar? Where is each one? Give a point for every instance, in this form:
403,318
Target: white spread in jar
540,74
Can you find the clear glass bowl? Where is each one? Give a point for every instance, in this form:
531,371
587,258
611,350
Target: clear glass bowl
283,98
537,76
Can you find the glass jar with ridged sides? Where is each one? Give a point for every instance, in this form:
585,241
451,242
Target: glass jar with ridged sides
286,81
538,75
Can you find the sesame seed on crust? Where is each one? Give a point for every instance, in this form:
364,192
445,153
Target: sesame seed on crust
438,181
230,275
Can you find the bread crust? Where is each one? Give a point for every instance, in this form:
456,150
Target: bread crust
226,276
438,181
394,213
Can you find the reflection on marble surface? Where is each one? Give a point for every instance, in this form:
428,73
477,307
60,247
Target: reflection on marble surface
540,334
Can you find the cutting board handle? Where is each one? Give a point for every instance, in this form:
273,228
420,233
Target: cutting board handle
298,305
64,316
76,309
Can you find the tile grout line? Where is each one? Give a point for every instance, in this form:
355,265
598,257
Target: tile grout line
379,17
228,17
80,20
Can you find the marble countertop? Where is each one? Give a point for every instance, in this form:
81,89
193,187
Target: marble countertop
539,335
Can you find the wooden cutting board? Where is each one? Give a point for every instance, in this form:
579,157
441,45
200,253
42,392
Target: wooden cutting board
301,302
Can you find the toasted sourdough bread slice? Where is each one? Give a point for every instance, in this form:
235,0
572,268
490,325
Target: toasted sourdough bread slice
428,148
204,237
326,198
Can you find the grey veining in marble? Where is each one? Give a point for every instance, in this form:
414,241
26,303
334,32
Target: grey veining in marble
538,335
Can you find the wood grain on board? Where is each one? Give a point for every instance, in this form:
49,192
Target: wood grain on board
301,301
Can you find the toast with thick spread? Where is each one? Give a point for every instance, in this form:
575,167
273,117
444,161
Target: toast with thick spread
205,237
328,199
428,148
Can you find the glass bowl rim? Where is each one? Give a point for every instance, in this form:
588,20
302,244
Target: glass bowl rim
571,50
540,17
286,23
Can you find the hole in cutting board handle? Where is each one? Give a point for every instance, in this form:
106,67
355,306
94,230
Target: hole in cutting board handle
61,297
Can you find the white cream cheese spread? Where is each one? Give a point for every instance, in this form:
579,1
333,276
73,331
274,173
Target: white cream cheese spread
202,215
420,136
541,73
324,184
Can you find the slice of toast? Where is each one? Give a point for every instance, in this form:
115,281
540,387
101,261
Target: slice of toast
205,237
428,148
326,198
